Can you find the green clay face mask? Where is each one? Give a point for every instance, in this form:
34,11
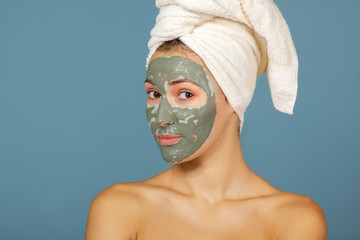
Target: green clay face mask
179,121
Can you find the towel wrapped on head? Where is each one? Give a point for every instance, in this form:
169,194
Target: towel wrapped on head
237,40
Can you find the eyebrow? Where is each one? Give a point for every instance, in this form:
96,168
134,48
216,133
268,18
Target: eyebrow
149,81
172,82
181,80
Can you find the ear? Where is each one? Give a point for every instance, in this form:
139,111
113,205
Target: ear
229,105
233,112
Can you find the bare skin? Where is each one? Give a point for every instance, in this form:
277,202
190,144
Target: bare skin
211,195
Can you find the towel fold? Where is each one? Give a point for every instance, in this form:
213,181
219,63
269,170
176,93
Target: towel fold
237,40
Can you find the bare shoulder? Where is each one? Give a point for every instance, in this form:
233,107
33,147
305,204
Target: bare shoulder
119,195
299,217
114,212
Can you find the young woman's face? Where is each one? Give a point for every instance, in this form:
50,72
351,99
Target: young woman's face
181,107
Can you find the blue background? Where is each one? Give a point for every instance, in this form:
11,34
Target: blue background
72,112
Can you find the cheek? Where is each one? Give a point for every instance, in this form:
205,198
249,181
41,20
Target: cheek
197,118
206,116
151,112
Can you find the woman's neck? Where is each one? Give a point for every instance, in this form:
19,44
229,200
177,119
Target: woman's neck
219,173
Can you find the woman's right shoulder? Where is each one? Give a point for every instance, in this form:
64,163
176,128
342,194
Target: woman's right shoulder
130,192
121,193
117,205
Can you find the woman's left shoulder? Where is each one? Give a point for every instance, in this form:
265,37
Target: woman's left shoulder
300,217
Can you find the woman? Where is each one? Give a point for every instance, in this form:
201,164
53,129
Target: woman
202,67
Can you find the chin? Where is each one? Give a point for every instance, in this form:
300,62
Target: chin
193,157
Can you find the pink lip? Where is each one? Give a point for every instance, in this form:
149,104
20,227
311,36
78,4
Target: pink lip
168,139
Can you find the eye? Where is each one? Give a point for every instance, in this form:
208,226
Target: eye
153,94
186,95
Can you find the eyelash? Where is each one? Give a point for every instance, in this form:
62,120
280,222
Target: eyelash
148,92
186,91
180,92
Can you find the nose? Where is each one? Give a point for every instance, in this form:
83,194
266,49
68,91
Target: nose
165,116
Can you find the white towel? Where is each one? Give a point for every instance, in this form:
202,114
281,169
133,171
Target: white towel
237,40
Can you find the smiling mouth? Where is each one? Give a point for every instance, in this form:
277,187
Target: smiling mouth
168,139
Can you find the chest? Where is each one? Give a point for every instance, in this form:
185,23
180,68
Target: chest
189,220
